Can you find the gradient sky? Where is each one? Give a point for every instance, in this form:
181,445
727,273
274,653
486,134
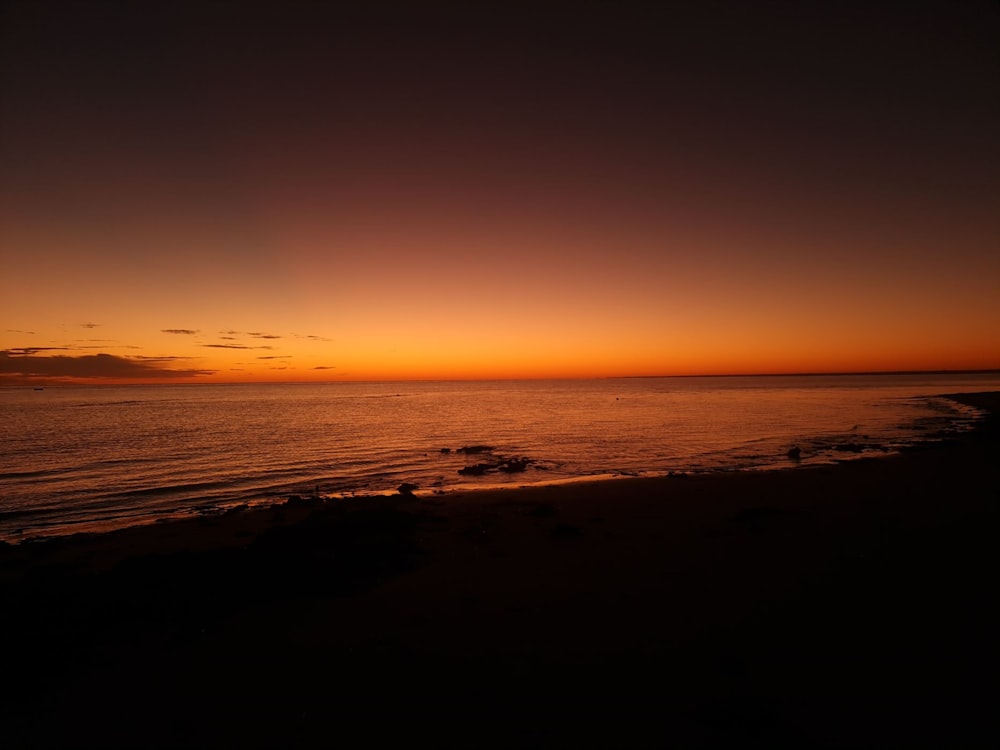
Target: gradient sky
211,191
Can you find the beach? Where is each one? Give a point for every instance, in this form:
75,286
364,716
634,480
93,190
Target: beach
819,606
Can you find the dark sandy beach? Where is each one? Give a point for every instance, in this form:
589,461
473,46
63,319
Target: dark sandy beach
838,606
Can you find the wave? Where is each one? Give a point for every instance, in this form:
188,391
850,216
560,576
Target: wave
102,404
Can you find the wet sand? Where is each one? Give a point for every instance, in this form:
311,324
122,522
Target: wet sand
848,605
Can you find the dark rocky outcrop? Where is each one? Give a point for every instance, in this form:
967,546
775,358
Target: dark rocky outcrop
514,465
476,470
511,465
471,449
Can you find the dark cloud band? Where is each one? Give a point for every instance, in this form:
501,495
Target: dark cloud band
13,363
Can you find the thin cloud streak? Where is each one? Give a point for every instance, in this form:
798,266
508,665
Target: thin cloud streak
27,351
235,346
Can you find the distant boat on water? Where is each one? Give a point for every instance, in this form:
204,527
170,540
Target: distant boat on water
39,389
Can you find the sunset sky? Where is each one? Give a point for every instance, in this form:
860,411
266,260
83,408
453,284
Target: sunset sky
213,192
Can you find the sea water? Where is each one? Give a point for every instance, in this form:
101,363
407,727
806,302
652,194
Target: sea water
95,458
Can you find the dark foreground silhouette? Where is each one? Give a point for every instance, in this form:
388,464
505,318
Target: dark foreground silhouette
850,605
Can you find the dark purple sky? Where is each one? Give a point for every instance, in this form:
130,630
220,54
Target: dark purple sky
629,189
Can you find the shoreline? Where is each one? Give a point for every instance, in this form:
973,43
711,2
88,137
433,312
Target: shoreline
829,455
821,606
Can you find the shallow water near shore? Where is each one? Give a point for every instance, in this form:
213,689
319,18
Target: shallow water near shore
95,458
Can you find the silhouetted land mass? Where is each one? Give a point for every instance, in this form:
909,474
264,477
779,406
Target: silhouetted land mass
820,374
850,605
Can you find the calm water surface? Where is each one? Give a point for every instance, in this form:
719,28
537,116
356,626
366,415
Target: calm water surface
83,458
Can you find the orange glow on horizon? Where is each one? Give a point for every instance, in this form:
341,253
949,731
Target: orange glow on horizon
660,200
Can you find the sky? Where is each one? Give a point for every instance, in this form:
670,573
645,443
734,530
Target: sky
297,191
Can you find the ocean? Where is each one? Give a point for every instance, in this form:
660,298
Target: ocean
96,458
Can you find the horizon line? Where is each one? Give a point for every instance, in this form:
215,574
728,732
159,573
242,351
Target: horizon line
853,373
822,374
